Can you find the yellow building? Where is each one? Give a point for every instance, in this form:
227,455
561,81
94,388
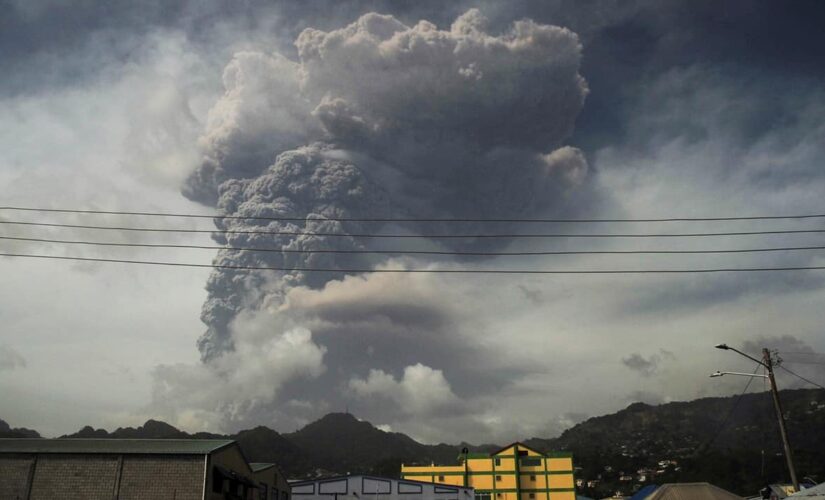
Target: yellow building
516,472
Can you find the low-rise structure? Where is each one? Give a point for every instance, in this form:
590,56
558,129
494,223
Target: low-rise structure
515,472
134,469
376,488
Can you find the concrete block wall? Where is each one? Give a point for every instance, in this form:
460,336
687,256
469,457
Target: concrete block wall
161,477
14,477
74,477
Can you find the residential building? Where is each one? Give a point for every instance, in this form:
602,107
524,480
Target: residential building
515,472
134,469
378,488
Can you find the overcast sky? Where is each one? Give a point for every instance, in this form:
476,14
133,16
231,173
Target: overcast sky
384,109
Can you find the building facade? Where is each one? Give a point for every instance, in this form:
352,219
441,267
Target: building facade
376,488
134,469
516,472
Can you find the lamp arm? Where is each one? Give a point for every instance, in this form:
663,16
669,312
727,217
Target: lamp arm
748,356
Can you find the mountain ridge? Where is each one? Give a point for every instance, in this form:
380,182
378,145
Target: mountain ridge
714,439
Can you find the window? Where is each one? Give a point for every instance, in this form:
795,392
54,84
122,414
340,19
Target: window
522,453
218,480
498,495
498,478
498,461
441,479
483,496
274,494
284,495
263,490
532,495
530,461
217,483
533,478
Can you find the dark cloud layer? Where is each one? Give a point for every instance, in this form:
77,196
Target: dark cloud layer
348,108
408,116
647,366
377,118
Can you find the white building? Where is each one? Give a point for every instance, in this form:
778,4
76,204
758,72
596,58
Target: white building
376,488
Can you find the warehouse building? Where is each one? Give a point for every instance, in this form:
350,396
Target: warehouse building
134,469
376,488
515,472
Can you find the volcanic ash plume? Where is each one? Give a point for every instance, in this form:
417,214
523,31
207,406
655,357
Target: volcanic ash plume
380,119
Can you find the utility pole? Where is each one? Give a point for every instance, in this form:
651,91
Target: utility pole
768,363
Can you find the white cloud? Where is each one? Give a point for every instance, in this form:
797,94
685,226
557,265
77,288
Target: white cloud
420,390
222,393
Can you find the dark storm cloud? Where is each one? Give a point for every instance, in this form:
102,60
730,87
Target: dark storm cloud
646,397
376,118
407,116
51,44
785,343
793,353
647,366
731,142
728,94
684,296
389,322
629,43
48,43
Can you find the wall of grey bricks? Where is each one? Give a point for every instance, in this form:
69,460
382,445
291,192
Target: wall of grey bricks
171,477
14,476
117,477
74,477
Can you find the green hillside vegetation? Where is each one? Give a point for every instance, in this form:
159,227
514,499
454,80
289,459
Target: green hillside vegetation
731,442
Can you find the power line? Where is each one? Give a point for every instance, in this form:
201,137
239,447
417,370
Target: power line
431,271
732,410
802,353
801,377
410,252
802,362
429,236
389,219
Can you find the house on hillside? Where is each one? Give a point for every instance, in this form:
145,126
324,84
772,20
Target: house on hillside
515,472
125,469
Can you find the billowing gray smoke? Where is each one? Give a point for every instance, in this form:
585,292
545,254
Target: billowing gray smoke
380,119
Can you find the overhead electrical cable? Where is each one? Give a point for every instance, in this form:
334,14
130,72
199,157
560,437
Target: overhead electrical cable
429,236
411,252
801,377
431,271
802,353
389,219
731,411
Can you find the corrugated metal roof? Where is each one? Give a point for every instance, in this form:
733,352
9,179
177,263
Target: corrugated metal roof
644,492
691,491
127,446
259,466
817,492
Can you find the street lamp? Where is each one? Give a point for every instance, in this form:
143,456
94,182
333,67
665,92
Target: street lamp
726,347
767,363
717,373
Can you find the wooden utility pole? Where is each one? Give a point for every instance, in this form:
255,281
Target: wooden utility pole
768,362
